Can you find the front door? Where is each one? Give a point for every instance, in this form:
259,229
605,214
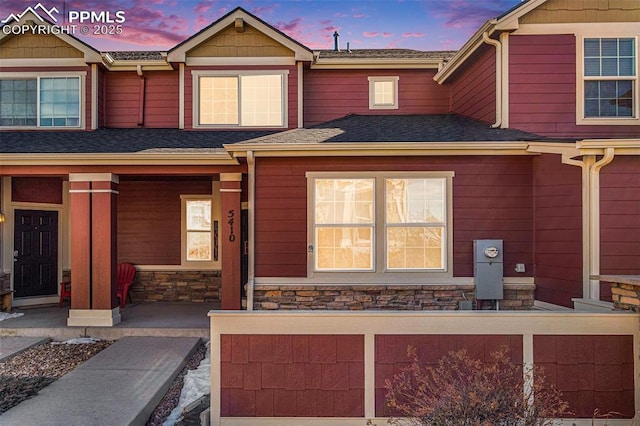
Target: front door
35,255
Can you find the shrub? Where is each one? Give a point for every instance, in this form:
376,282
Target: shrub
461,391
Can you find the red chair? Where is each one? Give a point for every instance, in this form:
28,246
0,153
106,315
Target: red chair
126,274
65,291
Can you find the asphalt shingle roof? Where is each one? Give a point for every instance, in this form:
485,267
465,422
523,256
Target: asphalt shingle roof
121,141
135,55
385,54
398,128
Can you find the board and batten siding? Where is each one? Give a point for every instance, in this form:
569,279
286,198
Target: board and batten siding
492,199
473,92
557,230
149,219
292,89
331,94
542,89
122,93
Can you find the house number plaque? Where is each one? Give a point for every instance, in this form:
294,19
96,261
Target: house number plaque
230,220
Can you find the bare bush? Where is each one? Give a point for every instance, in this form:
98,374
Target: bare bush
462,391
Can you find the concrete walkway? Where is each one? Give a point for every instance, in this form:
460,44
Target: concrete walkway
121,385
10,346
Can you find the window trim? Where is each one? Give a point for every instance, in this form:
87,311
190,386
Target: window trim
380,271
372,92
82,77
208,264
195,80
580,85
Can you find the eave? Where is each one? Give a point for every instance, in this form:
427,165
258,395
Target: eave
379,63
219,158
380,149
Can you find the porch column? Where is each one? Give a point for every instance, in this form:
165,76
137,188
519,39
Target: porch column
93,199
231,190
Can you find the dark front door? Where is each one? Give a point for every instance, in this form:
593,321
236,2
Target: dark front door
35,256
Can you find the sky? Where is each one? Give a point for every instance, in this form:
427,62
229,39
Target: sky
370,24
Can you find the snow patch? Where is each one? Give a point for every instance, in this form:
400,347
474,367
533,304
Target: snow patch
78,341
4,315
196,385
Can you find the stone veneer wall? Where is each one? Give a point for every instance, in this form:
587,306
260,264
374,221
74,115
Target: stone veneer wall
381,297
626,297
5,280
176,286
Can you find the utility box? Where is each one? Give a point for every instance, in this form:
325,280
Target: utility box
488,269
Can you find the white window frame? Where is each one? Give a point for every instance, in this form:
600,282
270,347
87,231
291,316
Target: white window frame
580,85
183,232
379,271
196,74
81,75
372,92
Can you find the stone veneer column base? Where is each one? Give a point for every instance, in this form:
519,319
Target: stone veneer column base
94,317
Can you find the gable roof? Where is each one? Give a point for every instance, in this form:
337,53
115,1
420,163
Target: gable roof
178,53
91,55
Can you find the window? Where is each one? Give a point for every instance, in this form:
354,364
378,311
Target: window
383,92
198,229
40,102
391,222
244,100
610,74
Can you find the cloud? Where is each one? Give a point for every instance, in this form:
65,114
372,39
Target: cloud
370,34
203,7
387,35
410,35
469,14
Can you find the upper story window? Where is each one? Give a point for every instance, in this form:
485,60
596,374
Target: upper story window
383,92
609,81
380,222
41,101
239,100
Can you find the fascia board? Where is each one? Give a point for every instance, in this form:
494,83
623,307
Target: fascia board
378,148
376,63
510,22
143,159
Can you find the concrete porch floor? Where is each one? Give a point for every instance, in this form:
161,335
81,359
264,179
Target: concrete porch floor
138,319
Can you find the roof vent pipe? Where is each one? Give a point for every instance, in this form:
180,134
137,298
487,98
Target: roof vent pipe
336,37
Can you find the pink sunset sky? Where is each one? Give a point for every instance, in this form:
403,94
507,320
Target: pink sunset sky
372,24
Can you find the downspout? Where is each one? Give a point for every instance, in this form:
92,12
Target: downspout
251,163
498,46
594,224
141,97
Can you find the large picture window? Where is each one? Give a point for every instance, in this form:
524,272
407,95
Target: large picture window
243,100
610,77
40,102
391,222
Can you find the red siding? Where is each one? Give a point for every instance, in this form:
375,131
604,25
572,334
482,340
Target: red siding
391,355
592,372
492,199
292,90
542,86
473,92
36,190
123,99
292,376
149,220
330,94
557,230
620,217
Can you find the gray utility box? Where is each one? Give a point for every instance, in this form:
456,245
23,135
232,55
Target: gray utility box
488,269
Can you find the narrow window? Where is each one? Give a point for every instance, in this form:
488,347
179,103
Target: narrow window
198,230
